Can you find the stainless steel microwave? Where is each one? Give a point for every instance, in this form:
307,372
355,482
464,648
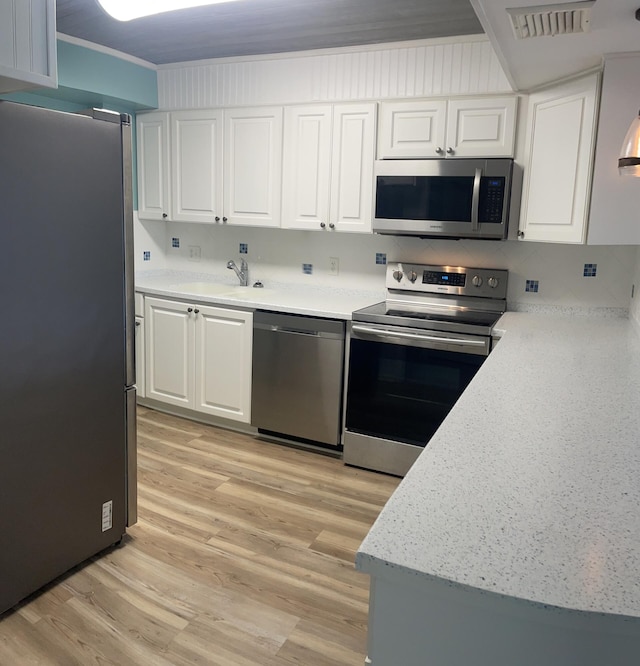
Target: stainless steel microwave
447,198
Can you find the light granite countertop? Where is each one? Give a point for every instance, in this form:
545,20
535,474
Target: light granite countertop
297,299
531,487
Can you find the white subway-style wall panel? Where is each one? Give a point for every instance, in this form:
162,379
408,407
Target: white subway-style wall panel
422,69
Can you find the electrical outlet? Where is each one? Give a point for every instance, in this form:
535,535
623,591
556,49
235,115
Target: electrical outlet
334,265
194,252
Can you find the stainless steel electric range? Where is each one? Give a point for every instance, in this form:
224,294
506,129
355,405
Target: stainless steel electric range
412,356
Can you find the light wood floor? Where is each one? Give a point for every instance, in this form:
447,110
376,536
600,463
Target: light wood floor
242,556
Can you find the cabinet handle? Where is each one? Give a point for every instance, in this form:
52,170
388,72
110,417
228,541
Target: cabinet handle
189,310
196,310
164,216
439,150
322,225
450,150
332,225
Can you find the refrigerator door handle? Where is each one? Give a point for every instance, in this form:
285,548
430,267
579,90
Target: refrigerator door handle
132,458
129,297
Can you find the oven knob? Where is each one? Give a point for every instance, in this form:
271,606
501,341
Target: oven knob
412,276
492,282
397,275
476,281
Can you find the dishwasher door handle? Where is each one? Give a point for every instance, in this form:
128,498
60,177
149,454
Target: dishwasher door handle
295,331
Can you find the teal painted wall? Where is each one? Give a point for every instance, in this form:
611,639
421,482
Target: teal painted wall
88,78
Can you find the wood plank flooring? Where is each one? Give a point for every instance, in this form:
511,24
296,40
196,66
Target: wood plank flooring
242,556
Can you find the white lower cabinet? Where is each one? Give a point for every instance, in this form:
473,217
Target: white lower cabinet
199,357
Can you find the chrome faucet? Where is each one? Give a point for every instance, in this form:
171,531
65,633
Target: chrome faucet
242,272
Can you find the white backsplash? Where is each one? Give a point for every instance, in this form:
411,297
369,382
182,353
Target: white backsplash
276,255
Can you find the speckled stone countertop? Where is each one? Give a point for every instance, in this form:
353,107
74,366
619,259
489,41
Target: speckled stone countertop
297,299
531,487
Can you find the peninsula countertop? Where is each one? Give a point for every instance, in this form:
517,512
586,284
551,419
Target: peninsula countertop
314,301
530,489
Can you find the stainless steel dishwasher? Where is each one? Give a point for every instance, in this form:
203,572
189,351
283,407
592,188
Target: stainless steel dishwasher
297,377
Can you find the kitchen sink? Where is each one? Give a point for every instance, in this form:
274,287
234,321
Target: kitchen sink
208,288
213,289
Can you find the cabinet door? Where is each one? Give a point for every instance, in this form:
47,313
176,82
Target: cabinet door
306,167
352,166
196,166
558,159
223,363
153,166
253,166
28,57
412,129
481,127
169,346
139,352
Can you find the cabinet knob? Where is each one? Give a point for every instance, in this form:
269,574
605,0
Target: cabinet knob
439,150
322,225
137,323
217,218
520,234
450,150
164,216
332,225
224,219
196,311
189,310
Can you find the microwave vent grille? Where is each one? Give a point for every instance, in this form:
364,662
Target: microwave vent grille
551,20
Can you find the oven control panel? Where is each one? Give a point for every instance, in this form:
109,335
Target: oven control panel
455,280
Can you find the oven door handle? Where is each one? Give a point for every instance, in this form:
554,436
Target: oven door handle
386,334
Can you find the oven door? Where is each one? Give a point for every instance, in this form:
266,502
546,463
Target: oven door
402,383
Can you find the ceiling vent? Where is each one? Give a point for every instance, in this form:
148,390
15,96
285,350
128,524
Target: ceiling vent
551,20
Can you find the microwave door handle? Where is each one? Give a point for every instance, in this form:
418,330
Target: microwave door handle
475,202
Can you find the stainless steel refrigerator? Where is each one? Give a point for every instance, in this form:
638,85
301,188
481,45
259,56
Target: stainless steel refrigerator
67,379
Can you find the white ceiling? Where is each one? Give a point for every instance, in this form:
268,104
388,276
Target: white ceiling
529,63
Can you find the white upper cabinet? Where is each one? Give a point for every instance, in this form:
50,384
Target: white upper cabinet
253,166
306,168
471,127
353,152
196,166
558,161
28,57
615,200
328,167
412,129
154,201
481,127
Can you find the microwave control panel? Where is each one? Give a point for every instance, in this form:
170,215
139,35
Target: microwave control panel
491,198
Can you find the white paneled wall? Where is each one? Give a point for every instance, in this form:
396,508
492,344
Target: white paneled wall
277,255
413,69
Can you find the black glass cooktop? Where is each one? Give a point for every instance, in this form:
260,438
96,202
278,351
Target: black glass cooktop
453,318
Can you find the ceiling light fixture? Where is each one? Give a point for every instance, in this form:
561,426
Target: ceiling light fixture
127,10
629,160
